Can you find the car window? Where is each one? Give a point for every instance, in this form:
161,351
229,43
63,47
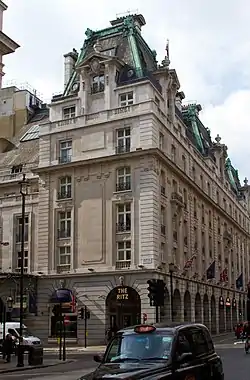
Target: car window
140,346
200,345
183,344
209,341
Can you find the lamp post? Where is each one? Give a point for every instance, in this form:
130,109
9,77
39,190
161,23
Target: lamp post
7,309
23,191
171,271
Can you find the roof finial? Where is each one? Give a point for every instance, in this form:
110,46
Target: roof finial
245,182
166,61
218,139
167,48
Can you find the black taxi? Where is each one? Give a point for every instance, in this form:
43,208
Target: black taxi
160,351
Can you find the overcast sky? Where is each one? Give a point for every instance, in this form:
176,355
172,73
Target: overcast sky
209,48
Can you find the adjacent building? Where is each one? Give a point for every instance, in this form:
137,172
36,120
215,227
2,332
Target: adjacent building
126,185
7,45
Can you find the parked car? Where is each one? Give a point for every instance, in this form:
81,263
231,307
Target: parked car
160,351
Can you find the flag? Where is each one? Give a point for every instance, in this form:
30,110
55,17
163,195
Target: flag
224,276
211,271
239,281
189,262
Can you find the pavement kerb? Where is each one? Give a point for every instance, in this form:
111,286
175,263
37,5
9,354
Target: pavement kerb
29,368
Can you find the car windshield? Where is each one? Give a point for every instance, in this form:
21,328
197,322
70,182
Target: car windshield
26,332
147,346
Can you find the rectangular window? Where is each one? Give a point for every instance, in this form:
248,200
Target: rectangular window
19,229
126,99
123,217
161,141
65,255
163,220
64,225
162,253
173,153
25,261
17,169
65,188
65,151
123,179
97,84
123,140
69,112
124,251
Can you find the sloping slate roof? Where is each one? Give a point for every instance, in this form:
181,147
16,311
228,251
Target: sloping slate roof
24,152
129,47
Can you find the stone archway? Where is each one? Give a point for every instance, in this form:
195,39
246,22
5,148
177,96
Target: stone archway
187,306
213,315
177,306
198,308
123,307
206,320
222,326
167,307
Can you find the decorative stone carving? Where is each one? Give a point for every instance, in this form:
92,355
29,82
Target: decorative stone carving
95,65
78,179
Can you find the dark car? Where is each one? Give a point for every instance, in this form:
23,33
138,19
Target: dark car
160,351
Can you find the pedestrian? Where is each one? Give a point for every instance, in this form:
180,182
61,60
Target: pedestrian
8,348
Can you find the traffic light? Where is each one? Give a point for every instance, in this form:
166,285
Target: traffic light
152,292
81,313
156,291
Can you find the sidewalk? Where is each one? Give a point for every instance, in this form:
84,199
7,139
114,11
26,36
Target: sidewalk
11,367
90,349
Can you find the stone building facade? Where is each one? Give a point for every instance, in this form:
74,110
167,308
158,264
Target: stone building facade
126,183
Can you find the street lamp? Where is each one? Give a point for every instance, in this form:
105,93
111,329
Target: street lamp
172,269
7,309
23,191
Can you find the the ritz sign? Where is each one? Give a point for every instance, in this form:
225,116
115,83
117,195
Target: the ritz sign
122,294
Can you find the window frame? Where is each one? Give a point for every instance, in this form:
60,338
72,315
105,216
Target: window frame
65,188
128,99
65,254
123,180
69,112
124,250
25,260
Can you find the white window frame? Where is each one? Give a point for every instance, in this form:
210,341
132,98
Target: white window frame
123,139
65,146
123,175
64,252
19,229
123,217
69,112
65,223
25,261
126,248
98,84
126,99
65,187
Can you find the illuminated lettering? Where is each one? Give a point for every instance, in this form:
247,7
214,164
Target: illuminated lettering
122,297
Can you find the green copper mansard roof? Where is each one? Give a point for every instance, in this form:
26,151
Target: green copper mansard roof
124,41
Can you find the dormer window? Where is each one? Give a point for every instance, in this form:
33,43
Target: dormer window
17,169
97,84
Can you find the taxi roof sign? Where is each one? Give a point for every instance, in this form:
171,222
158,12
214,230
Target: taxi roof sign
144,329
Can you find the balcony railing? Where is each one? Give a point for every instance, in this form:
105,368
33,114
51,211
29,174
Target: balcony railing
163,229
64,159
123,264
123,186
18,270
64,234
64,194
63,268
175,197
123,227
122,149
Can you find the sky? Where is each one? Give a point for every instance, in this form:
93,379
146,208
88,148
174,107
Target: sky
209,48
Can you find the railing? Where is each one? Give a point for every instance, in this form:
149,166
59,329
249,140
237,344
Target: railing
176,198
64,159
64,234
123,186
123,227
63,268
64,195
123,264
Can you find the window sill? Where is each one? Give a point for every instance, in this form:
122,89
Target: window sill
64,199
122,191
